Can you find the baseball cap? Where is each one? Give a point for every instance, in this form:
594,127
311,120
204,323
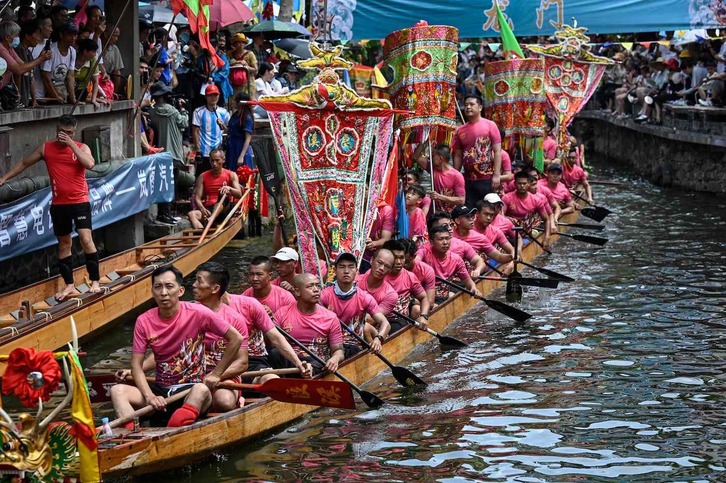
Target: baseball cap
345,257
492,198
69,27
285,254
211,89
462,210
555,167
160,89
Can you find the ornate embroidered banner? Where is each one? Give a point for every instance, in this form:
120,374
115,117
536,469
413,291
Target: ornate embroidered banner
514,96
334,147
421,67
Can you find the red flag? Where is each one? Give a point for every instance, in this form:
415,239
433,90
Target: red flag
389,187
197,12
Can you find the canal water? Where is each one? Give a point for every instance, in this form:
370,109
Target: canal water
617,377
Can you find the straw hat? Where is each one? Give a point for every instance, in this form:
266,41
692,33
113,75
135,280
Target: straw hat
619,57
685,54
240,37
659,62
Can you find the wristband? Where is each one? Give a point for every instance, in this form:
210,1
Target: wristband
380,337
425,316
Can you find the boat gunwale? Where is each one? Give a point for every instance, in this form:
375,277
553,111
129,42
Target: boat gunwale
438,322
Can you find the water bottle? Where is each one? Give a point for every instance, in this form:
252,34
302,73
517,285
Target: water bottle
107,431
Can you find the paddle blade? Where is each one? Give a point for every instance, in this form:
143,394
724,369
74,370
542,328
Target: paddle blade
508,310
539,282
595,213
406,377
450,341
584,226
595,240
514,288
371,400
550,273
332,394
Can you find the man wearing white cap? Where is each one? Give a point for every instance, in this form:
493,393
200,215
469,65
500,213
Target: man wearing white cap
499,221
285,263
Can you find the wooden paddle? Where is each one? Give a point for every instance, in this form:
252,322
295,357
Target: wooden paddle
443,339
595,240
146,410
502,308
217,209
549,273
597,213
530,282
234,209
536,240
514,290
271,181
99,385
404,377
332,394
371,400
584,226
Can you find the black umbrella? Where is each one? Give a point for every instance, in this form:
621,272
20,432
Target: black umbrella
300,48
275,29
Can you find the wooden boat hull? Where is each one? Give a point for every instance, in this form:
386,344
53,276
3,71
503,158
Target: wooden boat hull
55,331
168,448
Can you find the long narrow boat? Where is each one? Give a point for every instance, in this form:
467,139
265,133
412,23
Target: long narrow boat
126,284
157,449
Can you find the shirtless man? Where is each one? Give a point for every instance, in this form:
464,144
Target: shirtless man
314,326
175,333
67,161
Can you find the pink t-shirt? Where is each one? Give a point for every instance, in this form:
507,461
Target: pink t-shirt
496,235
352,312
214,345
275,300
560,193
317,331
424,203
257,319
509,186
448,183
460,247
549,146
573,176
417,223
478,241
406,286
178,342
506,162
448,266
545,199
386,297
476,142
425,274
504,224
522,208
11,58
386,220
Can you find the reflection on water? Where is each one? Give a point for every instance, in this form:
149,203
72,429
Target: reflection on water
619,376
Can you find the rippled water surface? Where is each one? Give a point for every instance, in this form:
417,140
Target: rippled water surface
617,377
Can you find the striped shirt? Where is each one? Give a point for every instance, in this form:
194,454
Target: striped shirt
210,134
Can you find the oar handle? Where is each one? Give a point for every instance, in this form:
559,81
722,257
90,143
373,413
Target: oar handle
459,287
365,344
317,359
145,410
215,212
244,375
234,209
414,322
534,239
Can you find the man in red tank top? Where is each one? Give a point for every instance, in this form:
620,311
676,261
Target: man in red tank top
67,161
211,186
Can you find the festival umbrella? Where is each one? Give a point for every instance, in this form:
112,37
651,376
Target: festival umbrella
275,29
300,48
687,36
227,12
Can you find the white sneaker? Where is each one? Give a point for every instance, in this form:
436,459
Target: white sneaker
705,102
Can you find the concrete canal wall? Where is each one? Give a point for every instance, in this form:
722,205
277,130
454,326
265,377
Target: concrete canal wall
684,154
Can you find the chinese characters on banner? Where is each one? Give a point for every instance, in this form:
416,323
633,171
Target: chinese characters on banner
25,224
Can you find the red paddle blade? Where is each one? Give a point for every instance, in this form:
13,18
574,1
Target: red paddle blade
331,394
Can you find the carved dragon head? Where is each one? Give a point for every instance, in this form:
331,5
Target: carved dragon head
25,446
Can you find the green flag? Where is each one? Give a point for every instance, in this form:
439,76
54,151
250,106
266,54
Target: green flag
510,46
538,158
